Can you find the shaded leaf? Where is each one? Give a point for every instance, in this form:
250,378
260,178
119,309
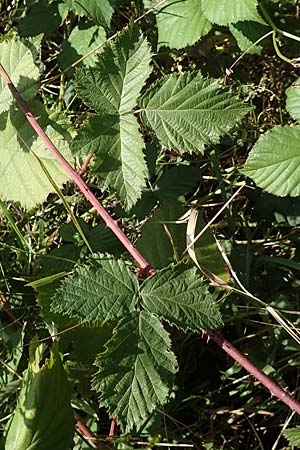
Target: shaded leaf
41,18
162,241
102,239
21,176
180,296
273,162
186,111
136,371
247,33
181,23
205,252
83,38
105,291
18,59
43,419
176,182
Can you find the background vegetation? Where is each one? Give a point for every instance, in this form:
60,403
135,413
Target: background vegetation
48,229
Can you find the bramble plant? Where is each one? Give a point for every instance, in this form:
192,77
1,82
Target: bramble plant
146,101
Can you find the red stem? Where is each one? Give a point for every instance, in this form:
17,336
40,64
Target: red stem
85,165
143,263
73,174
87,433
112,428
274,388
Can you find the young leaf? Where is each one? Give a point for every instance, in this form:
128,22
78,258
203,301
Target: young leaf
115,84
44,418
187,111
117,143
136,370
99,11
18,59
104,291
224,12
293,100
21,176
273,162
180,296
181,23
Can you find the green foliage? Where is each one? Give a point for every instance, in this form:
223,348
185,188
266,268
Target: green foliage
181,297
41,18
292,100
43,419
162,241
22,151
99,12
181,23
105,291
187,111
247,33
157,113
112,90
136,371
224,12
19,56
293,436
273,163
83,39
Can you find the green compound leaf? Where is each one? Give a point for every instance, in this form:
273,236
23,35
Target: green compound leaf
118,146
99,11
81,41
224,12
104,291
43,419
293,100
186,111
181,23
124,65
136,370
274,161
21,177
18,59
180,296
